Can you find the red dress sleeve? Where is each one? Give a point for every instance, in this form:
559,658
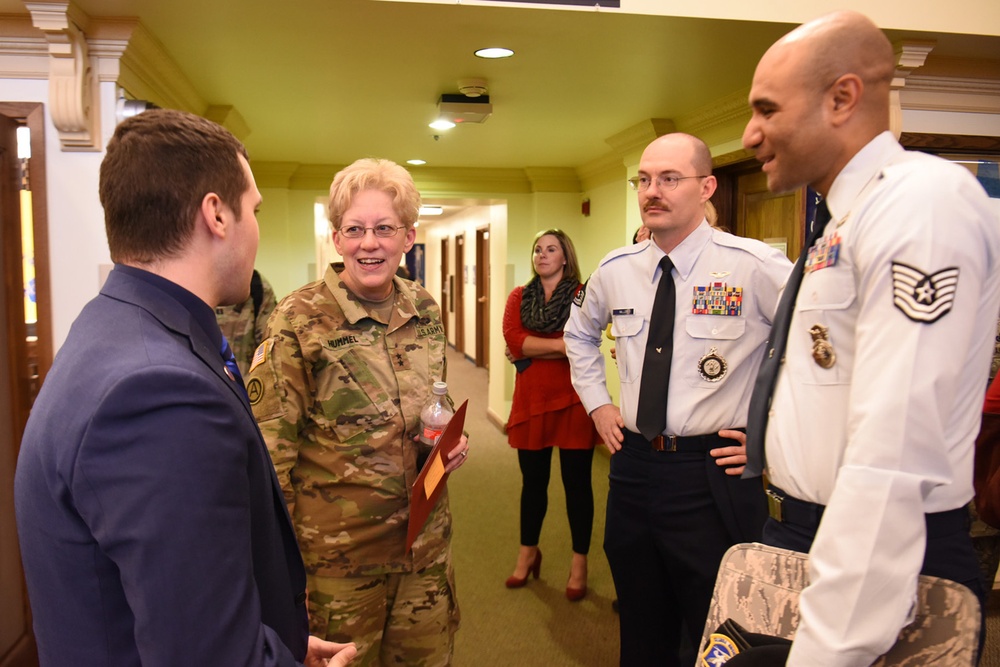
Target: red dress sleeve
514,332
992,403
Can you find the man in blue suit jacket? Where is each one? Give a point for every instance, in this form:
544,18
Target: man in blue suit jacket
152,527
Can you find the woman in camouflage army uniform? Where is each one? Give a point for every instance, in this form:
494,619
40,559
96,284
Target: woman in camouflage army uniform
337,389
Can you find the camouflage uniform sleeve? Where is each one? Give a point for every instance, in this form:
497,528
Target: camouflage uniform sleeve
280,394
267,306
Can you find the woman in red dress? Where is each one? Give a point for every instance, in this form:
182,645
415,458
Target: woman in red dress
546,411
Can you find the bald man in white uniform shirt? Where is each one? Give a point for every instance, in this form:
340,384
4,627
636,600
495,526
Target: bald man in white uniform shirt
870,428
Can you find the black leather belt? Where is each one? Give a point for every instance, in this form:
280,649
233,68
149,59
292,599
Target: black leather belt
787,509
675,443
783,507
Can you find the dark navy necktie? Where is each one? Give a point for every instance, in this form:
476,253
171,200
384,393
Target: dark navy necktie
651,415
233,370
767,376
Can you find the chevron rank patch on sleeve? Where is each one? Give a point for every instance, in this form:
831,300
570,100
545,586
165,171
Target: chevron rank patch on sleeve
923,297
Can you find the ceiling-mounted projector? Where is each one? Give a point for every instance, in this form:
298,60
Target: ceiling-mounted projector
462,109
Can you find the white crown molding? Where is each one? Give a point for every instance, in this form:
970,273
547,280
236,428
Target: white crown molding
149,73
73,84
228,117
553,179
603,170
725,111
631,141
24,53
909,56
934,93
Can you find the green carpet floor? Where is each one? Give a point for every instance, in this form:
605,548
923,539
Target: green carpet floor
534,625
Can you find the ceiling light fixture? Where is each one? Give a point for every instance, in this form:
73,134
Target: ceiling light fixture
441,124
431,210
494,52
416,163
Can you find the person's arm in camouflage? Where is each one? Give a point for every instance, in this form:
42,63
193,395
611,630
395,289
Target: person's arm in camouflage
285,390
267,306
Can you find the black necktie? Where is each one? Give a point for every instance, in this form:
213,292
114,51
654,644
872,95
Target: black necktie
767,376
232,368
651,416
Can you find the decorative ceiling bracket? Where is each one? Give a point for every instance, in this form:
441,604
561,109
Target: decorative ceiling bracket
73,88
909,56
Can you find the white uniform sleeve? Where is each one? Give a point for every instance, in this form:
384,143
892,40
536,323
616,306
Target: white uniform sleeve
911,390
582,337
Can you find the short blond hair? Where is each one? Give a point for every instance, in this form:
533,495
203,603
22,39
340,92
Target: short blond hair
374,174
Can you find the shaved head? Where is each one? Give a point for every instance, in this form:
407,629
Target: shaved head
819,95
844,42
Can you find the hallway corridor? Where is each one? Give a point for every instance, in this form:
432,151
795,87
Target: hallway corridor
535,625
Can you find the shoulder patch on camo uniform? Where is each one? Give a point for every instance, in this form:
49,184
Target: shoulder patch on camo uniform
259,355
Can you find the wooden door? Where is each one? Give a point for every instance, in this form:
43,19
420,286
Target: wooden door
446,306
459,293
483,297
19,381
772,218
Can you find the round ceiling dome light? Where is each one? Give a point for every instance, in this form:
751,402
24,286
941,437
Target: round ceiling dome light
473,87
494,52
416,162
441,124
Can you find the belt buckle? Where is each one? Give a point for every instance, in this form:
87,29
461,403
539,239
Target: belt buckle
774,502
664,443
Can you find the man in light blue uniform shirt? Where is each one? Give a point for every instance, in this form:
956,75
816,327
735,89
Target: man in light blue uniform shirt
676,501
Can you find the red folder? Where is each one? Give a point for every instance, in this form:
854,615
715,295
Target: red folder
430,482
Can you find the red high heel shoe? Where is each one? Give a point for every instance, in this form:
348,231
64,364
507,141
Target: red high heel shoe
576,594
534,570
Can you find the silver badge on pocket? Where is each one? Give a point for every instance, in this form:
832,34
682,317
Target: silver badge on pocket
712,366
822,349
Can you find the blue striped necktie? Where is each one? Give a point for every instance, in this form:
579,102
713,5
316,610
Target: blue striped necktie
232,369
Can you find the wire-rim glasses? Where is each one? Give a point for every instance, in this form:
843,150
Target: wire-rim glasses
664,182
383,231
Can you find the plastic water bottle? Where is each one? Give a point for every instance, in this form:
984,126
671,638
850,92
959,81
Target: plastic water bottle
435,415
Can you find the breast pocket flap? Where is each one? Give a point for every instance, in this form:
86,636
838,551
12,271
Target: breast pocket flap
715,327
626,325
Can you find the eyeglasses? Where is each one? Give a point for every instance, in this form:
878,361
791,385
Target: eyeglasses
383,231
663,181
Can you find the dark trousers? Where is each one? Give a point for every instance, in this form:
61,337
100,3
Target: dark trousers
949,553
671,516
575,467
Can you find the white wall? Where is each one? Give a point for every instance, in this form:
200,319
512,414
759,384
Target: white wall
77,241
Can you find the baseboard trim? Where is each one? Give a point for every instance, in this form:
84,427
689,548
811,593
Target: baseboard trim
496,420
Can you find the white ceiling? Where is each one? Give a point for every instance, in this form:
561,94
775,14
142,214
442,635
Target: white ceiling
329,81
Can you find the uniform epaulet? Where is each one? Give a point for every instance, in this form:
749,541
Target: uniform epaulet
758,249
624,252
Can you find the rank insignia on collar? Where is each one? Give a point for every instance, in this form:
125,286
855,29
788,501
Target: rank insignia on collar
719,650
717,298
823,352
923,297
712,366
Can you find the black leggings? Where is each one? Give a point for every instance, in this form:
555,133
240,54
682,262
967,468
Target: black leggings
575,466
